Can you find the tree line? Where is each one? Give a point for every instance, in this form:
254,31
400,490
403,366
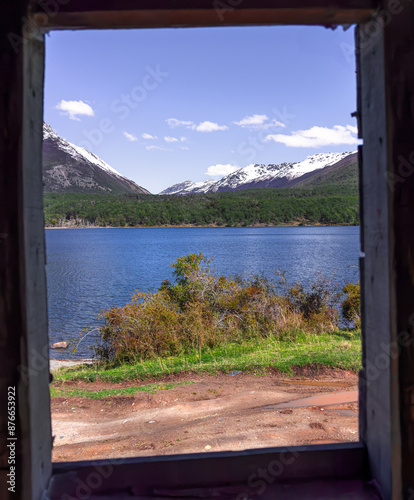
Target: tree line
328,205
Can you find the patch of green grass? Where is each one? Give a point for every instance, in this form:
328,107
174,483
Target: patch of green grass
57,392
339,350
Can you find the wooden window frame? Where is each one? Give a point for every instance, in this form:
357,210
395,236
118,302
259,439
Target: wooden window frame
385,453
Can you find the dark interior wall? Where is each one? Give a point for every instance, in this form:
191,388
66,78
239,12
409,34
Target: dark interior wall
23,309
11,308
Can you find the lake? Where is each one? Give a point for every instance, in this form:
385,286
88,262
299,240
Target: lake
89,270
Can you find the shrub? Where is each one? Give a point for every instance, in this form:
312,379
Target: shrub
351,306
318,305
203,309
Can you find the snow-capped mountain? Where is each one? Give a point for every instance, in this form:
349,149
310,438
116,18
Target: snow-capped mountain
260,176
72,169
189,187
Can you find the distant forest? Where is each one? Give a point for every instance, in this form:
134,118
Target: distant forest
332,204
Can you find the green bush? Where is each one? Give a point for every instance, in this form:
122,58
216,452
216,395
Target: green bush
318,304
351,306
203,309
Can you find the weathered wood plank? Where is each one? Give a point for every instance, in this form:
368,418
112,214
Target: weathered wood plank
167,13
323,489
37,424
378,377
157,5
386,53
399,80
23,313
250,471
387,83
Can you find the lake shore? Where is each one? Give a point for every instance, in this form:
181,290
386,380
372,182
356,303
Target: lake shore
340,350
189,226
116,263
56,364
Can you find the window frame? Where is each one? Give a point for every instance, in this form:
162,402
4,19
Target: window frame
380,452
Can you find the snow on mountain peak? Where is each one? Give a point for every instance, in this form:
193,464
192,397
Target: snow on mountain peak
190,187
77,151
94,159
259,175
317,161
48,132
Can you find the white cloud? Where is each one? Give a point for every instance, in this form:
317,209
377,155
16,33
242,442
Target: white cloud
75,108
173,122
185,148
151,148
221,169
183,139
353,129
148,136
210,127
130,137
252,120
273,123
170,139
205,126
256,122
317,137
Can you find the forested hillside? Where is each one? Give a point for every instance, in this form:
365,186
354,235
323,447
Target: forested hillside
326,196
323,204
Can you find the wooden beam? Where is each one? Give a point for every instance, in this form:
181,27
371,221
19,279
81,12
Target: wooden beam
386,50
185,13
245,472
36,410
379,383
399,79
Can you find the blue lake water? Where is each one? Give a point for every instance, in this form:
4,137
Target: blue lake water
89,270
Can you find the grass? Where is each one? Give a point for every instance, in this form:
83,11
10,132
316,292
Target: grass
338,350
58,392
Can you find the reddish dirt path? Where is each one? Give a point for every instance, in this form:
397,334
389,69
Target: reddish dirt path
214,413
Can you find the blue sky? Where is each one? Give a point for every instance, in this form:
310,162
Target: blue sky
163,106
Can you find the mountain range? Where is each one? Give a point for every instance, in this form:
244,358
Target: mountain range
68,168
308,172
71,169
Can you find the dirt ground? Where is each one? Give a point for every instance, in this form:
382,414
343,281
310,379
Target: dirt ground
213,413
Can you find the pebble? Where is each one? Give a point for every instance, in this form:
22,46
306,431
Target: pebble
208,447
